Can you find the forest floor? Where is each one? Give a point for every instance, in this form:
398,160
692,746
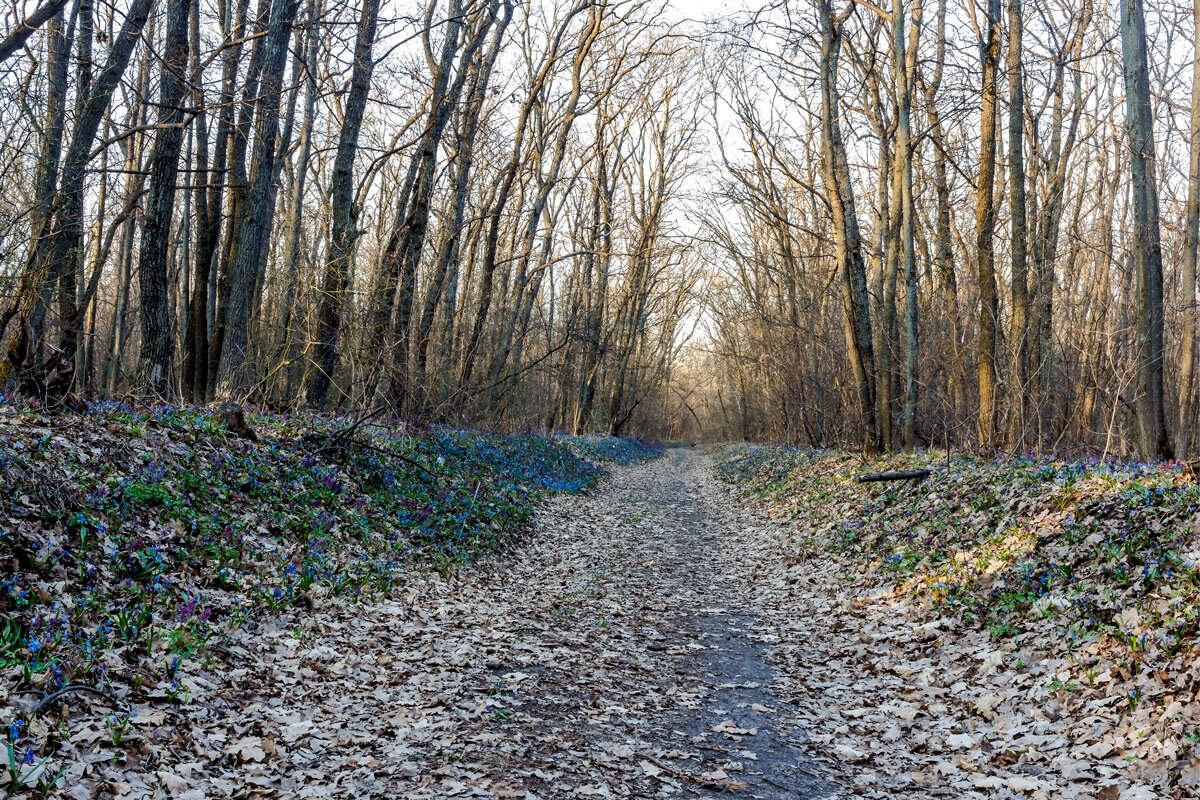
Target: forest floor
658,636
616,655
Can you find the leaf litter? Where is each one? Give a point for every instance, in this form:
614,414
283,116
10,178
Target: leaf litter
1012,628
596,660
660,637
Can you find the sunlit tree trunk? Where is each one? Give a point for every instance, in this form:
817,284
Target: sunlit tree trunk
1186,420
1147,249
847,240
985,223
1018,335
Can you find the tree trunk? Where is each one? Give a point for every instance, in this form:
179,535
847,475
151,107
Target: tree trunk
196,369
25,28
157,344
847,239
448,249
344,217
904,67
985,223
1018,336
1147,249
1185,422
256,209
58,254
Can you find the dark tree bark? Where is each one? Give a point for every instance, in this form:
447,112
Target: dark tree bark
45,177
157,343
1185,422
464,157
342,230
408,240
196,338
237,182
1018,336
1147,247
256,209
985,225
25,28
847,238
292,333
58,254
491,240
904,58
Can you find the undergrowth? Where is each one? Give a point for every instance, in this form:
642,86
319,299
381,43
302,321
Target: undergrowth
132,537
1108,549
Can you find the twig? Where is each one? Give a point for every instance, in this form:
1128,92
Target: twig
427,476
665,768
344,433
47,699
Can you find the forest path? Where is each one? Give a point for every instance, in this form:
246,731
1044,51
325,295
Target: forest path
616,655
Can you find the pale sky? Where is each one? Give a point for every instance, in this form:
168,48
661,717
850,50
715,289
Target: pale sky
704,9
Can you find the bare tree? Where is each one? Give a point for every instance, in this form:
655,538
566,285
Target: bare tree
157,343
343,230
1147,249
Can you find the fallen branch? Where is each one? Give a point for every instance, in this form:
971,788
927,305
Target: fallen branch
911,475
47,699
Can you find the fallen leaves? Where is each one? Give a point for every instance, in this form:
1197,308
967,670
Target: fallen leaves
915,703
730,728
578,666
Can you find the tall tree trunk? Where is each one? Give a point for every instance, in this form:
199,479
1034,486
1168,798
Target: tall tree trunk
407,256
342,230
58,255
237,182
464,156
526,289
847,239
196,367
601,240
904,56
1147,248
157,344
944,268
256,209
1049,216
289,330
45,176
1185,422
985,223
495,213
1018,336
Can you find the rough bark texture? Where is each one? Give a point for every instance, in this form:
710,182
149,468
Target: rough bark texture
1186,421
1018,335
57,253
342,231
1147,248
25,28
985,223
847,239
256,209
157,344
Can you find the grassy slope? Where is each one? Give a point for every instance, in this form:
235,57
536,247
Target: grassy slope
131,538
1099,560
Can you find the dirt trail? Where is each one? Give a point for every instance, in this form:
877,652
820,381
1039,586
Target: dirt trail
613,656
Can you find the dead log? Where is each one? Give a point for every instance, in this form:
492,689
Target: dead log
910,475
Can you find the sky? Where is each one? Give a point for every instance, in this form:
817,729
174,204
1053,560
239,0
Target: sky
706,9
